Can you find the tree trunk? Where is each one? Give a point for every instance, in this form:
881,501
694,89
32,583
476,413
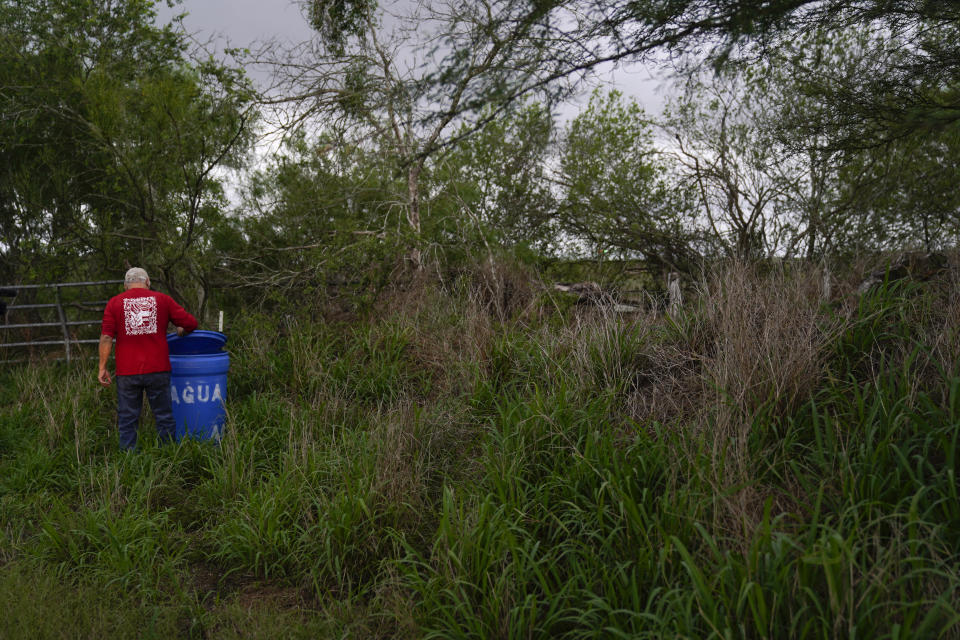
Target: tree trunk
816,203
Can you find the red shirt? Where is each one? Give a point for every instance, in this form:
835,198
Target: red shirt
138,319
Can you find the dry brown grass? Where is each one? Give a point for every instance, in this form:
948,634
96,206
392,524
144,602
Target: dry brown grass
942,332
749,348
764,352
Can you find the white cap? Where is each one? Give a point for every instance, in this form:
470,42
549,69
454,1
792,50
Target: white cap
135,274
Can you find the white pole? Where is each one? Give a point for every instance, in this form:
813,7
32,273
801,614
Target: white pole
220,326
825,288
674,294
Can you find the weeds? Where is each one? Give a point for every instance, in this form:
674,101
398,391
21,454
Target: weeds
472,466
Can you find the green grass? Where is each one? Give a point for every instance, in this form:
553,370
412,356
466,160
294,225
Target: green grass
439,472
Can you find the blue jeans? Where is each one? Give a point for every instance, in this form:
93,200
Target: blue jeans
130,390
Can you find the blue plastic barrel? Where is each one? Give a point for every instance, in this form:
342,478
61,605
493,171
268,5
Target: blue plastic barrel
198,384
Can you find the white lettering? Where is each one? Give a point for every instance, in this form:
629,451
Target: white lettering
203,393
173,394
188,394
216,393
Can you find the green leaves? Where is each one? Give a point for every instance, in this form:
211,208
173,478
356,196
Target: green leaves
617,191
338,20
494,185
111,137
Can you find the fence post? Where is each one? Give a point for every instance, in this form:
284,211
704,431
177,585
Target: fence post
63,324
674,294
825,288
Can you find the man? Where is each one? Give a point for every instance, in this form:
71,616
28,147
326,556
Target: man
138,319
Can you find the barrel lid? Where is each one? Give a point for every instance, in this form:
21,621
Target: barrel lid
196,342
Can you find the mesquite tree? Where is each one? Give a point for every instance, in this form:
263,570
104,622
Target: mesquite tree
112,133
367,78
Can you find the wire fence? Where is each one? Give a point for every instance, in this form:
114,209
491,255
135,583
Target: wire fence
43,319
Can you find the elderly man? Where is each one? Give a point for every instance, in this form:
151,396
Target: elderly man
138,319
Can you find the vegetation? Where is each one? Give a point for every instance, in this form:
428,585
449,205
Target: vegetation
387,160
113,133
762,466
905,87
425,439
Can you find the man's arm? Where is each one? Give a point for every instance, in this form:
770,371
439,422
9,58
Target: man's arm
181,318
107,331
106,345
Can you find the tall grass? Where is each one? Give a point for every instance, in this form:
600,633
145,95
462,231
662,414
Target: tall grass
483,461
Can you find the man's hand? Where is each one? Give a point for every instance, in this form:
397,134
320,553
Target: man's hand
106,344
180,331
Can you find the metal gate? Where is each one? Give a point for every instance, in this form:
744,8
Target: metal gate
38,302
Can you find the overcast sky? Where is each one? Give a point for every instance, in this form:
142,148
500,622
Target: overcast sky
240,23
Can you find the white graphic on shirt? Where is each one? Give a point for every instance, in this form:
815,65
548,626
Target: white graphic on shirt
140,315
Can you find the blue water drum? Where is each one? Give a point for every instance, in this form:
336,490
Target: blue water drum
198,383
